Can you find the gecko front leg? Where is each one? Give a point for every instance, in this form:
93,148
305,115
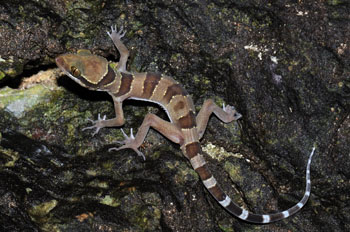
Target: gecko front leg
114,122
124,52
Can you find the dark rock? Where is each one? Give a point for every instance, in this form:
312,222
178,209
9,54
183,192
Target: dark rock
283,65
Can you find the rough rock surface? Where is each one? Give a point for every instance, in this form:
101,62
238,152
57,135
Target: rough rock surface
283,64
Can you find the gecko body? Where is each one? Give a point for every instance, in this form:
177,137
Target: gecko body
184,128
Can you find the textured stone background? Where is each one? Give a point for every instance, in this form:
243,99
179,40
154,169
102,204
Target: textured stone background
283,64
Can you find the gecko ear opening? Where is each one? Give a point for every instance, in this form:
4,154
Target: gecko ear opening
75,71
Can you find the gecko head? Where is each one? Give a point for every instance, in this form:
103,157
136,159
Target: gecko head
83,67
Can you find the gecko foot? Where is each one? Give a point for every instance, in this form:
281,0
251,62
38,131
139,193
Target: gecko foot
129,142
232,113
114,34
98,124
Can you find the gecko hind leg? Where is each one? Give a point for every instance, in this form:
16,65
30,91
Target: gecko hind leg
226,114
167,129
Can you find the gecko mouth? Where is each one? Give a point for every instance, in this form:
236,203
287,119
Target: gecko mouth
61,64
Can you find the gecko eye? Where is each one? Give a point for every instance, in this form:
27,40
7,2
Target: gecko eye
75,71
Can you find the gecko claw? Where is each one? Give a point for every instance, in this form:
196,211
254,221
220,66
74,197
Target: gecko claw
230,110
97,124
128,142
120,34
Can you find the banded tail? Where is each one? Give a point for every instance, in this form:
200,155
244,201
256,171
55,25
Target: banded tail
194,153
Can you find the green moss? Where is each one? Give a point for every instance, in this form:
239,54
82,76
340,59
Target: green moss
148,218
145,217
113,65
219,153
254,195
68,176
91,172
108,165
98,184
2,75
156,154
111,201
11,72
42,209
18,103
334,2
183,173
235,172
136,25
10,67
11,156
226,227
60,114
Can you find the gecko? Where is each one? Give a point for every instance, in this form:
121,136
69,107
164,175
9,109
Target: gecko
184,127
